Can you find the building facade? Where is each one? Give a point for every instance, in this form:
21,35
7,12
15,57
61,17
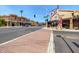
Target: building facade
14,20
70,18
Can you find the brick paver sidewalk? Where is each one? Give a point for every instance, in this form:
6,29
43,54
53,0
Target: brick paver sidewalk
36,42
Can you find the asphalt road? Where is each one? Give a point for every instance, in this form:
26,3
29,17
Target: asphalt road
7,34
66,42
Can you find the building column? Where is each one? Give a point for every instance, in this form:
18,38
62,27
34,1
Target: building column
15,23
10,23
71,23
7,23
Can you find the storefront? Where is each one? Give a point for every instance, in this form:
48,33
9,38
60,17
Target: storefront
69,19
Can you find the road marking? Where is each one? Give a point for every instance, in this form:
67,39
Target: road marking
18,38
51,46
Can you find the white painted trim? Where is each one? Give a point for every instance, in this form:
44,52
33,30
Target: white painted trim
51,46
18,38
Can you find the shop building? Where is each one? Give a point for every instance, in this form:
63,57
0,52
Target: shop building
14,20
70,18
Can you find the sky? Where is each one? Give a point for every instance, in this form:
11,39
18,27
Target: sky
29,10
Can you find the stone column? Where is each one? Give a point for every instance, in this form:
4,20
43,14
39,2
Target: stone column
7,23
15,23
71,23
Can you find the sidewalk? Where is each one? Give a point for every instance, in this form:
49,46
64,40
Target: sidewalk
68,30
35,42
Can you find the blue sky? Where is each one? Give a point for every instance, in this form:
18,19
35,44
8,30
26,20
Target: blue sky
30,10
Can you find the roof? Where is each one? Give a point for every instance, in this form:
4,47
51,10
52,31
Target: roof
68,10
65,14
13,15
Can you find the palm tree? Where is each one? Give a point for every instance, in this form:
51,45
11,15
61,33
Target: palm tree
21,11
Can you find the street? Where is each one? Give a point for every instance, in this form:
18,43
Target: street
66,42
7,34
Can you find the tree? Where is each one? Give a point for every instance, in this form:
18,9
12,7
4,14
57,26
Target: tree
2,22
21,11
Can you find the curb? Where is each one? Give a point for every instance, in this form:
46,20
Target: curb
51,46
67,30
